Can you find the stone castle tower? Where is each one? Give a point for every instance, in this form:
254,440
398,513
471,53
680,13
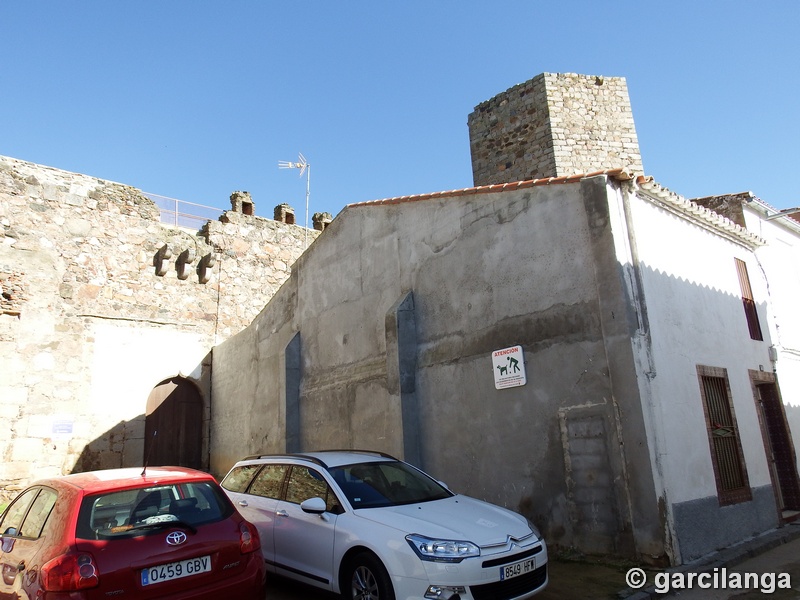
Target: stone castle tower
551,126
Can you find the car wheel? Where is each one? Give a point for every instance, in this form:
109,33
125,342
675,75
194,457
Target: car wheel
366,579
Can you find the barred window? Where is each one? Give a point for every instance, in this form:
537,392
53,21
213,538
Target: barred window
730,472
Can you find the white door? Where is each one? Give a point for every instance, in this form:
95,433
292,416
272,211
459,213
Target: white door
304,541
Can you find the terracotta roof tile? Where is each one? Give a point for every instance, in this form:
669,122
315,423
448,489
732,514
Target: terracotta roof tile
644,182
618,174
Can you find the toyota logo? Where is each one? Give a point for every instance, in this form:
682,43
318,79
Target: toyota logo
176,538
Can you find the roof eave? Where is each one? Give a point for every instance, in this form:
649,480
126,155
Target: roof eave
617,174
705,217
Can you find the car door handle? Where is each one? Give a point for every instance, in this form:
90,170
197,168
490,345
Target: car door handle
282,513
243,503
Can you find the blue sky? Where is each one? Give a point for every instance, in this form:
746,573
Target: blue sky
195,99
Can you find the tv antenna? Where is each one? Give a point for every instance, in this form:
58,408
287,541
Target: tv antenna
304,167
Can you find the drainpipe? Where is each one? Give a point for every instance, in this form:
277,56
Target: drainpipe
642,350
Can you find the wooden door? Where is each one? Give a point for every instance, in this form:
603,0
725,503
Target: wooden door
173,425
780,449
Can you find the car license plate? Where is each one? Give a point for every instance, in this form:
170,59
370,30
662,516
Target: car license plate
176,570
517,569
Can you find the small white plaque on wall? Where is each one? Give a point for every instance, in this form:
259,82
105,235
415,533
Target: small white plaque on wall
62,428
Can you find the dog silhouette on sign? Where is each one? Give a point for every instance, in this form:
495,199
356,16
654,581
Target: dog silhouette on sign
503,370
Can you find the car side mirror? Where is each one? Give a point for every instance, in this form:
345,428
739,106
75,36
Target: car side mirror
444,485
315,506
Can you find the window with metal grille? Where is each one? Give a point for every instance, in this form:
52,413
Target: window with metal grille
749,303
730,472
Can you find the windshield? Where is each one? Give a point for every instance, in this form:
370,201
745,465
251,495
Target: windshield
139,511
389,483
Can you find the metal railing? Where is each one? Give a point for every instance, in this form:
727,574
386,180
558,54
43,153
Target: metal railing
184,214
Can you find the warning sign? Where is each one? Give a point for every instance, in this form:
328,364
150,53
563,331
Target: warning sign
509,367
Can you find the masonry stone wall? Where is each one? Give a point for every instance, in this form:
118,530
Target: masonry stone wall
556,124
100,302
727,205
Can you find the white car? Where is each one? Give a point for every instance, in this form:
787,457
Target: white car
371,527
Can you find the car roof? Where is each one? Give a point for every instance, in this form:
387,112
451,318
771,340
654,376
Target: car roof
118,479
328,458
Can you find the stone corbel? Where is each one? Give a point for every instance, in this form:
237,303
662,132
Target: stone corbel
184,262
205,267
161,260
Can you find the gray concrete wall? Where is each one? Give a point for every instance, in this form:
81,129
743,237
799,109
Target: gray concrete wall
533,267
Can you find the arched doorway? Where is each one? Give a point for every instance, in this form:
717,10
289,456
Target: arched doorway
173,426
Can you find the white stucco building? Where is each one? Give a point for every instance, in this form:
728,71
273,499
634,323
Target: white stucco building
712,307
779,262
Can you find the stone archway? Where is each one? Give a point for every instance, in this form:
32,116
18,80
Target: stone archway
174,425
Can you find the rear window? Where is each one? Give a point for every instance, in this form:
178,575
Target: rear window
269,482
239,478
141,511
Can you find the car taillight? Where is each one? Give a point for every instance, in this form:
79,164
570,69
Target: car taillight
249,540
70,572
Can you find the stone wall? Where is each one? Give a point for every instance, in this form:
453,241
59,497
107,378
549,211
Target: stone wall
254,258
556,124
727,205
101,302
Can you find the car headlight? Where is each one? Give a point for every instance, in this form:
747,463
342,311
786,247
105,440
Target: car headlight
442,550
534,529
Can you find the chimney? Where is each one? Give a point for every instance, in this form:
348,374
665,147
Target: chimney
241,202
284,213
321,220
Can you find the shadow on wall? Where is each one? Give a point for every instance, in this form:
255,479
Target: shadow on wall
120,446
170,433
173,433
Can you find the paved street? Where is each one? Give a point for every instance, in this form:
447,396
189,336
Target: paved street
283,589
569,581
783,559
593,580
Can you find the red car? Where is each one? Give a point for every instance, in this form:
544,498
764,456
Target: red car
165,532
